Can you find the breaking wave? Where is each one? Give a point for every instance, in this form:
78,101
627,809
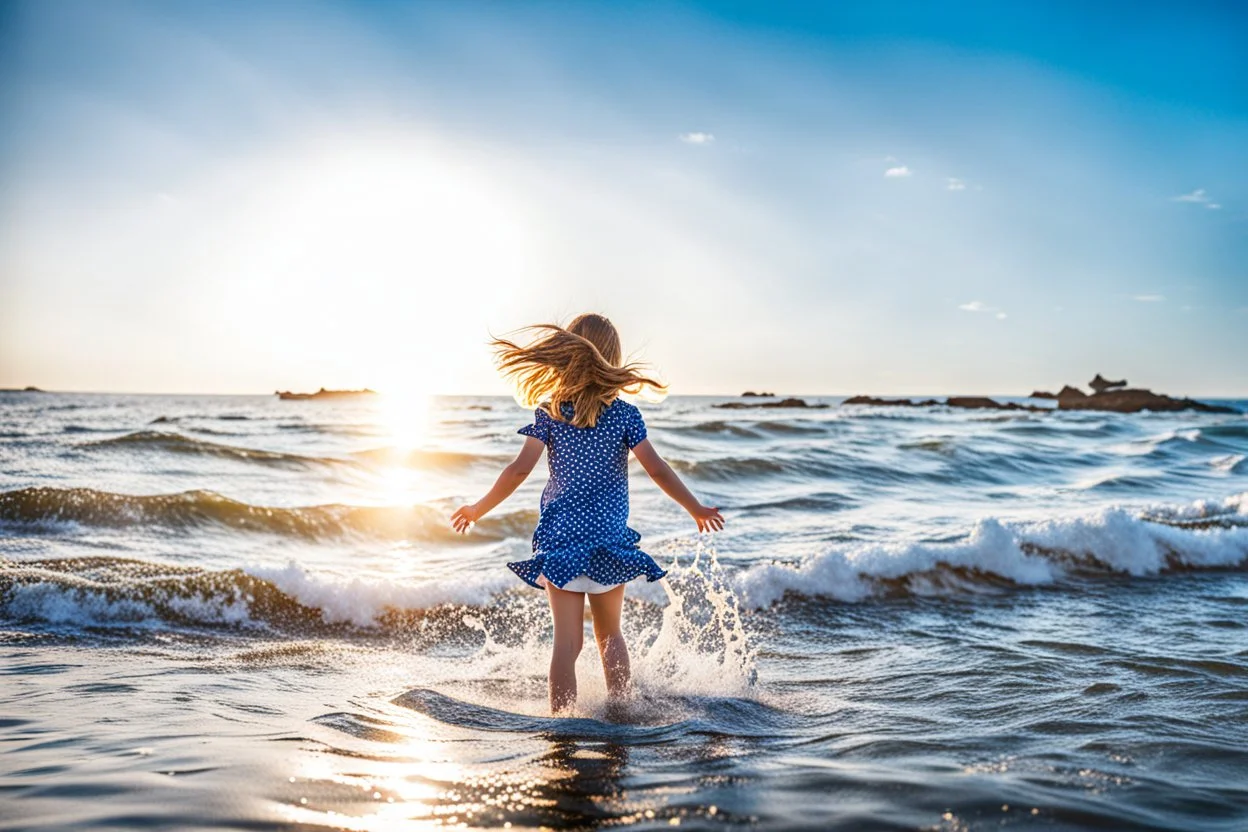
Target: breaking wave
178,443
995,556
45,506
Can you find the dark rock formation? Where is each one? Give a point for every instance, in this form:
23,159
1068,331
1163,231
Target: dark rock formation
1100,384
31,389
1133,401
781,403
1042,394
286,395
751,393
1068,398
964,402
872,400
985,403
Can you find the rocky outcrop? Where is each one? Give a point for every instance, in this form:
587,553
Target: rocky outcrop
985,403
1100,384
31,389
1042,394
1108,398
1136,400
964,402
752,394
872,400
1069,393
780,403
286,395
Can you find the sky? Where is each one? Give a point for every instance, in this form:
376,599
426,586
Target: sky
887,197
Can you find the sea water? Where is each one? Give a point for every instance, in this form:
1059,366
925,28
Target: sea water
246,613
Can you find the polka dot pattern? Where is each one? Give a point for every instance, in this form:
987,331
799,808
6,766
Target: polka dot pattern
583,528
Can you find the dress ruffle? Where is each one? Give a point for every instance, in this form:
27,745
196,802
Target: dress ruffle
607,565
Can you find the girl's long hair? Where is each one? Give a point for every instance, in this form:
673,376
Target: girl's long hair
580,365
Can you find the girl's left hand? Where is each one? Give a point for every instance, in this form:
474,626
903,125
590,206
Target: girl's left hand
464,517
708,519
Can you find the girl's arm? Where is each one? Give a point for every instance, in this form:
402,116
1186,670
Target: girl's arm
507,482
707,518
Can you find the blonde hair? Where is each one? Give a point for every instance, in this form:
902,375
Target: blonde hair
580,365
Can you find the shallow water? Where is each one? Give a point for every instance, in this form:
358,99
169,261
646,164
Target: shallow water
236,612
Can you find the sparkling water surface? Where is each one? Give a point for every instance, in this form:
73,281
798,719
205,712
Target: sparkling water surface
244,613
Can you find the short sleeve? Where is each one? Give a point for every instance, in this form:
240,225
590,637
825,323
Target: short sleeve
540,429
634,428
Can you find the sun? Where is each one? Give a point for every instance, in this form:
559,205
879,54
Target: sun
406,413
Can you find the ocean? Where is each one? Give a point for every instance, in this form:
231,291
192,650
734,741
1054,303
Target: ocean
235,612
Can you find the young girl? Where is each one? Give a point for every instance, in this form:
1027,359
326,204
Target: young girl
582,544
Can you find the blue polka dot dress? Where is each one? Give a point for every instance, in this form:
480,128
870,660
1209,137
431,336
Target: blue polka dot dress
583,528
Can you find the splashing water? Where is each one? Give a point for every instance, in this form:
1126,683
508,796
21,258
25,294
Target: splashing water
689,642
700,646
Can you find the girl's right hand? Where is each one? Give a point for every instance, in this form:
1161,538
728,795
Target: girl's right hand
464,517
708,519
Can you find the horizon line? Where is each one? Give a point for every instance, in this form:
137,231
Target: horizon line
779,395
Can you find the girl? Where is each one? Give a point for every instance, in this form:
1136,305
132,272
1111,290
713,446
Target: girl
582,544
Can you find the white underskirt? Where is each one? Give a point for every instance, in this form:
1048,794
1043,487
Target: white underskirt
581,583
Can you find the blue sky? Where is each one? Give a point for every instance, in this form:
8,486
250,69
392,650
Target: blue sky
871,197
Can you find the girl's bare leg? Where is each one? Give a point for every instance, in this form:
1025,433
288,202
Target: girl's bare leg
568,611
606,608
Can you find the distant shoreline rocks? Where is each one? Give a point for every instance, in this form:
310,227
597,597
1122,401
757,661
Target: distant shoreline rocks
964,402
31,389
790,402
1108,396
286,395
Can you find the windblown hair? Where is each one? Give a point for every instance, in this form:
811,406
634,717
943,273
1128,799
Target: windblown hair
580,365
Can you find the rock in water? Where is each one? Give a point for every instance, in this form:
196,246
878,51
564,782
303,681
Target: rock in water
1100,384
1070,394
1134,401
781,403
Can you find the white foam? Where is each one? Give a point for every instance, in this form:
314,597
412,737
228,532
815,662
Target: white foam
360,602
78,606
1024,552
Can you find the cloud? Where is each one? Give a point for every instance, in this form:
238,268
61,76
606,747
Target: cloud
899,171
697,138
1200,197
954,184
980,306
1150,298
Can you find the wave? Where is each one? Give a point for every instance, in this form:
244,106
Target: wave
753,430
997,554
441,460
715,428
178,443
117,592
45,506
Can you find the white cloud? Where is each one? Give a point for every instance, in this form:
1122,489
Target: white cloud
1150,298
955,184
697,138
1197,195
899,171
1213,206
980,306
